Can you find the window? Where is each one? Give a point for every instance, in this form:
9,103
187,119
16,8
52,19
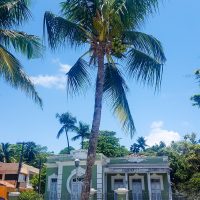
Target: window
53,189
137,189
156,189
11,177
0,176
118,183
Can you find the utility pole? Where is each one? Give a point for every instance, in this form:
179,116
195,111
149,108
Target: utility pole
39,179
20,165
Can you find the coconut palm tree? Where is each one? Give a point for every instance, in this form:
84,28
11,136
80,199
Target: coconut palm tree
12,14
68,124
6,152
110,30
82,133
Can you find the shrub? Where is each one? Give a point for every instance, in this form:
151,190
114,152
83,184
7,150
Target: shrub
30,195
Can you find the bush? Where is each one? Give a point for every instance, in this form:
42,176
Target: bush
30,195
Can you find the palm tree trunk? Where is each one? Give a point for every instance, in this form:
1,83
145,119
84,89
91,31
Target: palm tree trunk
82,143
95,127
68,151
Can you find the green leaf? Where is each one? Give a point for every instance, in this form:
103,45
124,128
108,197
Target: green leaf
144,68
145,43
115,90
12,72
61,31
78,77
29,45
13,12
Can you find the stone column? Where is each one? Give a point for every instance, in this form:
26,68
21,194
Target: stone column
170,189
126,184
149,184
59,180
99,182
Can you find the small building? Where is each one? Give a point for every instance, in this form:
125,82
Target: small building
140,177
9,176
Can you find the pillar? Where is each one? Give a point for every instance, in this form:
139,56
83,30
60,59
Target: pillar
170,189
126,184
149,184
59,181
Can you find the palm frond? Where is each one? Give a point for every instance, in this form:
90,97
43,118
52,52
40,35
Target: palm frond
144,68
115,90
29,45
80,11
60,132
136,11
196,100
78,77
61,31
13,12
145,43
12,72
77,137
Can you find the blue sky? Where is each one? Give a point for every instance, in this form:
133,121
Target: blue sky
167,115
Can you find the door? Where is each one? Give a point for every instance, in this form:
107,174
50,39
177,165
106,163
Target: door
76,189
53,189
118,183
137,189
156,189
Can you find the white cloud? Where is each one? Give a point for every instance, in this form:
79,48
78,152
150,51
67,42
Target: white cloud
48,81
57,81
158,133
64,68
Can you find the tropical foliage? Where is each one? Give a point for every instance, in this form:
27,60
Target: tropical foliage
68,124
30,195
196,97
82,132
139,146
109,145
110,29
12,14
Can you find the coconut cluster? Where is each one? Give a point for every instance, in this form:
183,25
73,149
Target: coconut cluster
118,47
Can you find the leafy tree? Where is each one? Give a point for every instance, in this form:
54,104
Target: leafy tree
35,181
110,29
191,137
6,152
82,132
109,145
68,124
196,97
12,15
66,150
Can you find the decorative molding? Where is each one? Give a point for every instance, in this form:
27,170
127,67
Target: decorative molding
49,180
136,176
160,177
81,172
118,176
80,154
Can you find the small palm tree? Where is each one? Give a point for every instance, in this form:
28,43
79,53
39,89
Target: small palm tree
82,133
141,143
6,152
68,122
196,97
109,28
12,14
